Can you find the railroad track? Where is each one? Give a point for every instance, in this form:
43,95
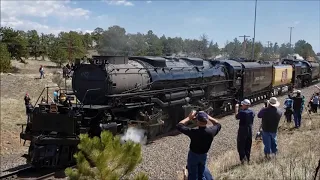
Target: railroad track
29,172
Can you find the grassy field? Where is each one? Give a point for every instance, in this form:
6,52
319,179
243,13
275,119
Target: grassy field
13,88
298,157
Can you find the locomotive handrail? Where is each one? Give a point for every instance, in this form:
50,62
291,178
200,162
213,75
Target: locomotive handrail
86,95
47,87
47,100
169,68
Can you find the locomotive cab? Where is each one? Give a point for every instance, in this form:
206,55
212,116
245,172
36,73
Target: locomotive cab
234,71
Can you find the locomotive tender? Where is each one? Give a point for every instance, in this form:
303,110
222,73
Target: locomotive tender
153,93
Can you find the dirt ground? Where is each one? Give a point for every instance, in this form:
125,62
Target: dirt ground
25,79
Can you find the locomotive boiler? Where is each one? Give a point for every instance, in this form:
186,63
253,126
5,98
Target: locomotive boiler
100,81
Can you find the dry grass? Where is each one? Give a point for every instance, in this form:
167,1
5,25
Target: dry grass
299,153
13,88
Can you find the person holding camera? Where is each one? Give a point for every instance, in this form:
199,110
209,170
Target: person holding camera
201,140
244,138
270,116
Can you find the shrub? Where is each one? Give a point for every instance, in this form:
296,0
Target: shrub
105,158
5,58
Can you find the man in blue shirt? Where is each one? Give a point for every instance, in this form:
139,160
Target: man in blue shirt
270,116
244,139
201,139
288,104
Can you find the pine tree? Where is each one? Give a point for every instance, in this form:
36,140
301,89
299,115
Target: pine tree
105,158
5,59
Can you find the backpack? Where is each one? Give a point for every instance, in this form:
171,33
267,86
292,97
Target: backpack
288,103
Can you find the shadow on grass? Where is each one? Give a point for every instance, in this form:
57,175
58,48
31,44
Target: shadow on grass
14,70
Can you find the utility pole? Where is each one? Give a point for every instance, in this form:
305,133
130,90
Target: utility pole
254,29
290,35
244,45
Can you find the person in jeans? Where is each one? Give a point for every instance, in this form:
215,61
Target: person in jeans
315,103
298,104
270,116
201,140
41,71
288,104
244,138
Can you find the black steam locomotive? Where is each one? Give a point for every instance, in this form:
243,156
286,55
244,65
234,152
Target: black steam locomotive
153,93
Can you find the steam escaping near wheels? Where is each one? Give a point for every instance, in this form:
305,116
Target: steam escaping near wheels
134,134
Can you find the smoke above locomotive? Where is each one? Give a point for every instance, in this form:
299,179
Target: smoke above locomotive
108,75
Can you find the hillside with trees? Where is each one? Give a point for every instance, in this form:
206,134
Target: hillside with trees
116,41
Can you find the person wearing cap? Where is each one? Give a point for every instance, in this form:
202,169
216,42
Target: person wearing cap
244,138
201,140
298,104
270,116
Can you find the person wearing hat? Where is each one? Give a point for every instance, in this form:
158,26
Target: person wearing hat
244,138
298,104
270,116
201,139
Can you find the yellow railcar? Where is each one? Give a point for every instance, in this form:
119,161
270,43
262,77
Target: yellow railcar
282,75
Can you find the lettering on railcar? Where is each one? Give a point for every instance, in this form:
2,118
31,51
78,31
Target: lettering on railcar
284,76
258,78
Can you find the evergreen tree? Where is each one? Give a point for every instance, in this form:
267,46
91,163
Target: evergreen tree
105,158
5,63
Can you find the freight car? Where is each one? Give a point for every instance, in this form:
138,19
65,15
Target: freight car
152,93
282,79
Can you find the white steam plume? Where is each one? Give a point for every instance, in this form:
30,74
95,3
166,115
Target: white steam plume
134,134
